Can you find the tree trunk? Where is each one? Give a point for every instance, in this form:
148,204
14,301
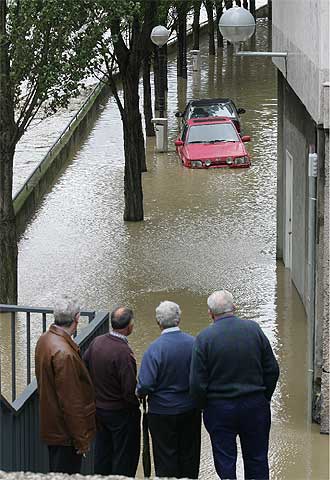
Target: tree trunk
134,153
147,104
270,10
219,11
253,7
210,21
195,25
238,3
8,237
228,4
182,40
246,4
165,57
8,136
162,81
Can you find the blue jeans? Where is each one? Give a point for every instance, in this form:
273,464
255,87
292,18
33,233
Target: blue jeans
249,418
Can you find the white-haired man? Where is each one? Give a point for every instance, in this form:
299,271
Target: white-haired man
173,419
66,393
233,376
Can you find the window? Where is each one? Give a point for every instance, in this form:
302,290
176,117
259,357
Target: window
213,132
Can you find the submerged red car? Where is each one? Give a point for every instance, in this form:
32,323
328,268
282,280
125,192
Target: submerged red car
212,143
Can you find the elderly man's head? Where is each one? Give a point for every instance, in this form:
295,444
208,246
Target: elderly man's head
220,302
66,312
168,314
122,319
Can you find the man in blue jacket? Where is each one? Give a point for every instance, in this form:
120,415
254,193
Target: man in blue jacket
233,376
173,419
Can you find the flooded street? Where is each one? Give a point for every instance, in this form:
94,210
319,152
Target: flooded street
203,230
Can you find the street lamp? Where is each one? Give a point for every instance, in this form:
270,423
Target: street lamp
159,36
237,25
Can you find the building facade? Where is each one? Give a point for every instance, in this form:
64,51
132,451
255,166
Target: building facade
301,28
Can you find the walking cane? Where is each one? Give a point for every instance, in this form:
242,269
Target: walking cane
146,460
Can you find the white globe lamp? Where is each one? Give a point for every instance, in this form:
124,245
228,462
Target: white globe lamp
237,24
159,35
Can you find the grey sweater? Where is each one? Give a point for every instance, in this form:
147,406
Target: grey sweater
232,358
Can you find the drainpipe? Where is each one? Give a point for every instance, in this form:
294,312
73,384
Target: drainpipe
311,259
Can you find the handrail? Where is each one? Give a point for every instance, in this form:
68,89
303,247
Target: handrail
44,311
16,308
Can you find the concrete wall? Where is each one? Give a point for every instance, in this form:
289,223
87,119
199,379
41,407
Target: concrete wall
322,363
44,176
296,131
302,29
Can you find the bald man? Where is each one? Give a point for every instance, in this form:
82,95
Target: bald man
112,367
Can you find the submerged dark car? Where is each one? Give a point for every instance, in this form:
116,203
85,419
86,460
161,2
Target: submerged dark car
212,107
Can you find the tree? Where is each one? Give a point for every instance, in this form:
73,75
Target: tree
196,26
42,63
270,10
119,32
182,8
209,6
219,12
253,7
147,102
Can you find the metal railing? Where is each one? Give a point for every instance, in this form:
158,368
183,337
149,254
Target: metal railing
20,446
44,312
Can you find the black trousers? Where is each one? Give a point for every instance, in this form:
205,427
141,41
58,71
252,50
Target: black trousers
117,446
176,444
248,417
64,459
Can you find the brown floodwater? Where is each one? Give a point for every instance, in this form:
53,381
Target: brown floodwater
203,230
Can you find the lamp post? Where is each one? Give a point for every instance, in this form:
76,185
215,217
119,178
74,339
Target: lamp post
159,36
237,25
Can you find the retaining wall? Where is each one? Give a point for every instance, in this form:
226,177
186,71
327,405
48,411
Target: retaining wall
43,177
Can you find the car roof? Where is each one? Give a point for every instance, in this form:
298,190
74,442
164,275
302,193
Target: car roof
208,120
209,101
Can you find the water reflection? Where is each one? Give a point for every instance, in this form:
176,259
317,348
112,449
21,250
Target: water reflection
203,230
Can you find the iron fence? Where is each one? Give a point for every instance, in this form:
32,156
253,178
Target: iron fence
20,446
14,310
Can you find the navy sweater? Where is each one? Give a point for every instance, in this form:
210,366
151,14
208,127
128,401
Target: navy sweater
164,374
232,358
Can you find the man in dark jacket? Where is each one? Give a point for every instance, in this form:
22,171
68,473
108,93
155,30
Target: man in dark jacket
112,366
66,394
233,376
174,420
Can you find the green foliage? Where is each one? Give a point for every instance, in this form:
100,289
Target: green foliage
55,44
47,53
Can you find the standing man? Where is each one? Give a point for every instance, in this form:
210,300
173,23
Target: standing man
233,376
173,419
66,394
112,366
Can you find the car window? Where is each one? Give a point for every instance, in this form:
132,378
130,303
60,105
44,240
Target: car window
220,110
213,110
221,132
